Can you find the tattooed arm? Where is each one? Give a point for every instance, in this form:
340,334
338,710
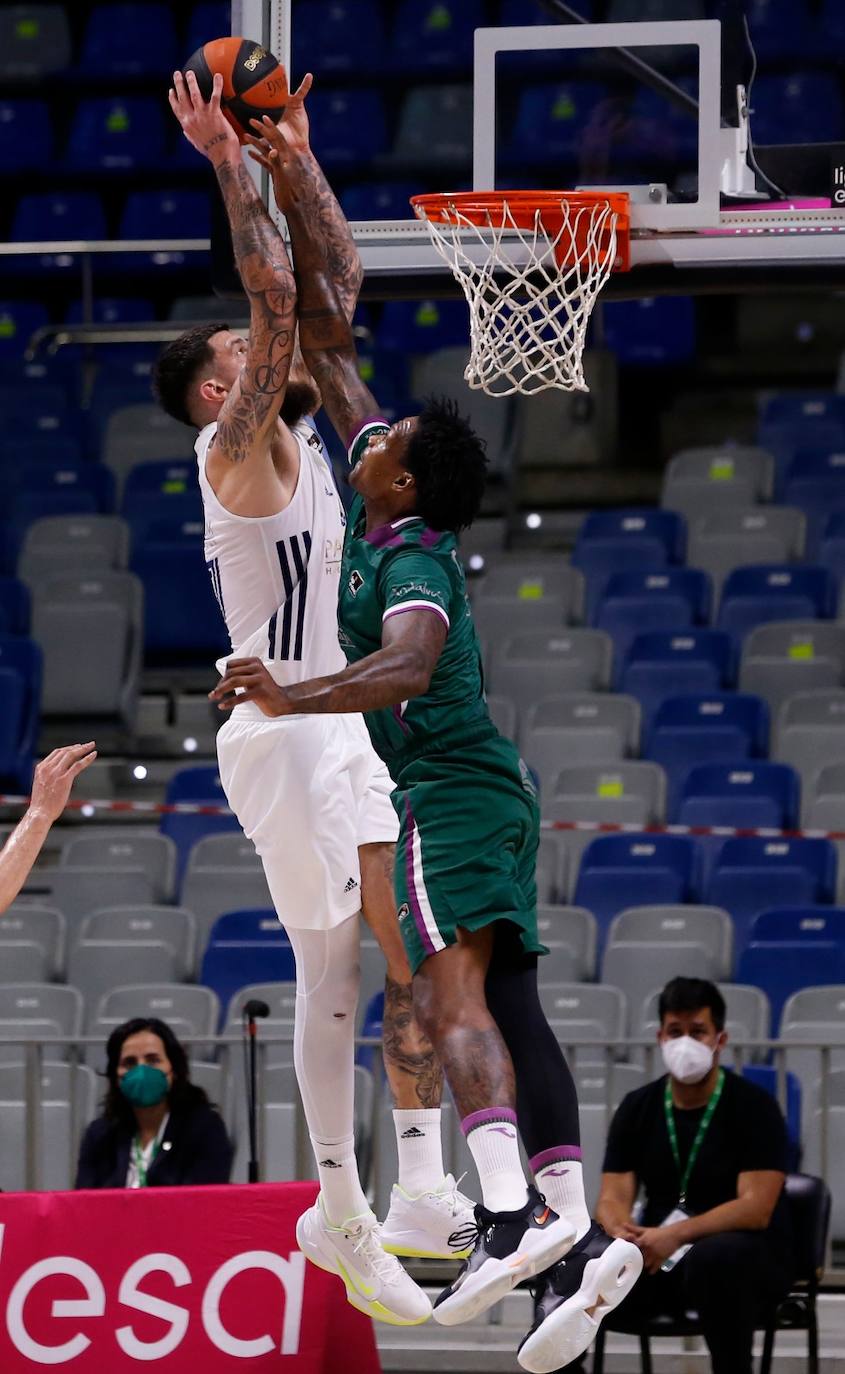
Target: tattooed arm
251,409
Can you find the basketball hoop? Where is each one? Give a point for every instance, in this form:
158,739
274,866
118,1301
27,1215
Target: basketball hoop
531,264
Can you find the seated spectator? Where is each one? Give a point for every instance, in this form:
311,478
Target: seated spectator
51,786
157,1130
709,1151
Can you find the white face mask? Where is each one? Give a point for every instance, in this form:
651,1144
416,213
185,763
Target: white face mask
686,1059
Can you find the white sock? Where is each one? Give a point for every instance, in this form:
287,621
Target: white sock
493,1142
343,1196
420,1150
561,1182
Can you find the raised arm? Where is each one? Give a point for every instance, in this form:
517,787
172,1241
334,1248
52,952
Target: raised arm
252,406
54,777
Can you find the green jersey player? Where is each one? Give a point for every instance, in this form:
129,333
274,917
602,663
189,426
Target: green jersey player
469,825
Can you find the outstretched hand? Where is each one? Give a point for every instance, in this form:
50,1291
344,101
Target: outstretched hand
247,679
54,777
295,124
204,124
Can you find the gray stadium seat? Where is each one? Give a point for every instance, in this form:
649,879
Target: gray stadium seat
232,850
583,1011
554,854
189,1009
814,1015
205,310
281,998
60,1128
485,539
835,1149
435,127
560,964
209,892
143,434
574,927
34,41
748,1013
503,715
726,538
541,578
601,1087
578,728
640,967
76,891
23,961
216,1081
441,373
156,854
373,972
534,664
39,1011
90,628
172,926
555,430
707,926
700,480
496,617
789,656
43,925
616,791
58,544
95,966
809,734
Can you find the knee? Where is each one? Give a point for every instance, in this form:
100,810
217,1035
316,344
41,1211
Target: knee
716,1263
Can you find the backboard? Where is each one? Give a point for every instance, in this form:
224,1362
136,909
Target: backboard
453,96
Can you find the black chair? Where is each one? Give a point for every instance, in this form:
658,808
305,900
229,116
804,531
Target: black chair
809,1209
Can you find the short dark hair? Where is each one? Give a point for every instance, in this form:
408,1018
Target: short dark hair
449,466
183,1093
178,365
692,994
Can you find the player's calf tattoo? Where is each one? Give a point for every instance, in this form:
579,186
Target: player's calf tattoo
408,1052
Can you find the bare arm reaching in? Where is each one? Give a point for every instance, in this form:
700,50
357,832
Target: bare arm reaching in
54,777
247,428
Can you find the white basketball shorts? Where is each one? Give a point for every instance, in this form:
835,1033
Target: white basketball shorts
307,790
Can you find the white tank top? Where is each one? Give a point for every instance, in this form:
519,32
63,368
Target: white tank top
276,577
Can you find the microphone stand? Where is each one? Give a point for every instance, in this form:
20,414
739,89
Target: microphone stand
252,1010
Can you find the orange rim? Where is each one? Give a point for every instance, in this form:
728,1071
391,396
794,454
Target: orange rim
482,207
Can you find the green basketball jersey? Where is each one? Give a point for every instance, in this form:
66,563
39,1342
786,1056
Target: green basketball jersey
400,567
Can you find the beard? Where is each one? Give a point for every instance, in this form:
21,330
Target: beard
301,398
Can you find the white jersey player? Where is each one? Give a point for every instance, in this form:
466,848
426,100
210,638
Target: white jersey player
310,793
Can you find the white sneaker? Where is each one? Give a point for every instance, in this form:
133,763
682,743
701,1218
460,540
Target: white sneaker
438,1224
375,1282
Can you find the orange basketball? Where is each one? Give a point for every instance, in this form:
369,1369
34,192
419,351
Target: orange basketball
254,84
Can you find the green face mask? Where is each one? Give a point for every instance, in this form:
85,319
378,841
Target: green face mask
144,1086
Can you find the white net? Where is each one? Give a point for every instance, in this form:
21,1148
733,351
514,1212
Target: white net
530,290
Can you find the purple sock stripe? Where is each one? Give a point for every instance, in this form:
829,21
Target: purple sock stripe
481,1118
413,900
554,1156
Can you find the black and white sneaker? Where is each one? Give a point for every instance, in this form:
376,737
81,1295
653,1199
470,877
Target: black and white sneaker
572,1298
509,1248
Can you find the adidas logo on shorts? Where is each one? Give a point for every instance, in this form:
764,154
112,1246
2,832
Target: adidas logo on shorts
350,886
413,1134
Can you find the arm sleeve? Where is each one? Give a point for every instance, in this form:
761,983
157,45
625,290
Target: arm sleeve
358,441
416,581
763,1142
620,1155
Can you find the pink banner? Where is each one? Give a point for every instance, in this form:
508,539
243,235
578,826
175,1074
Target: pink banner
174,1280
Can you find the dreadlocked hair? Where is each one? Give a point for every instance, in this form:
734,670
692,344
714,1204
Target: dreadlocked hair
179,364
449,466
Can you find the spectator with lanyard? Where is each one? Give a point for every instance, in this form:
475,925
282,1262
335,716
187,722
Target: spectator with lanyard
157,1128
709,1151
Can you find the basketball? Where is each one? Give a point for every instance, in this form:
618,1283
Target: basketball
254,83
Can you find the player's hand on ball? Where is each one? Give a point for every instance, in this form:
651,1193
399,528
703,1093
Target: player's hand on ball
54,777
295,124
247,679
203,122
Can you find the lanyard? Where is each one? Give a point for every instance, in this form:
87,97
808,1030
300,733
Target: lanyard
141,1167
702,1131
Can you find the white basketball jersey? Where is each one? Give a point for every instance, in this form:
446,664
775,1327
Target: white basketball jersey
276,577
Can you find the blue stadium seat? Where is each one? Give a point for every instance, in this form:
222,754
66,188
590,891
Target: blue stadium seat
46,481
201,785
22,657
14,689
803,107
190,626
46,450
831,553
625,540
338,36
654,129
348,127
18,322
38,503
372,1027
751,794
113,310
37,397
551,120
45,215
781,969
768,591
117,133
635,602
796,924
422,326
801,407
209,19
14,607
711,727
247,946
664,664
766,1077
163,215
129,40
811,432
435,35
378,200
815,483
619,871
781,29
752,873
656,331
161,491
26,135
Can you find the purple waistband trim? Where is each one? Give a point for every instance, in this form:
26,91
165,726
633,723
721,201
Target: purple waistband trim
555,1156
481,1118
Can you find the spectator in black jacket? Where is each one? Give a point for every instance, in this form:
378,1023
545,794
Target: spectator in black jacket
157,1129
